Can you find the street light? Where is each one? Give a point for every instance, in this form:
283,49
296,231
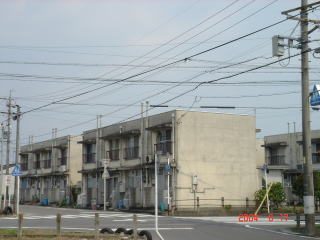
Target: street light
105,176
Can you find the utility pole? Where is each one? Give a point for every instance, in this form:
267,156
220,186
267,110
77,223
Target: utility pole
278,50
1,167
8,145
308,171
17,178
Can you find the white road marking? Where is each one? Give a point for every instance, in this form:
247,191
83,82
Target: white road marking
283,233
128,220
92,229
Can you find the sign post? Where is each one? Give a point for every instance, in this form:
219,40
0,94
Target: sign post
16,172
105,175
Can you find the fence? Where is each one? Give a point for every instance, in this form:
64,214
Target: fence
59,232
242,205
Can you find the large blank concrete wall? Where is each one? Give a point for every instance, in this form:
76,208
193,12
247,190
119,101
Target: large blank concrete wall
75,160
221,150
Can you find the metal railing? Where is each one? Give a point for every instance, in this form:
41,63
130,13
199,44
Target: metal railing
113,154
89,158
131,153
164,147
276,160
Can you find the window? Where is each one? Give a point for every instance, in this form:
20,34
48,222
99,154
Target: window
47,159
164,143
132,147
276,156
89,155
24,162
315,152
63,157
114,147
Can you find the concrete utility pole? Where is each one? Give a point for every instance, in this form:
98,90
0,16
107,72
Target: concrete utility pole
308,171
7,195
17,178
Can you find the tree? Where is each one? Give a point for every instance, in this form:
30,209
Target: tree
297,185
276,194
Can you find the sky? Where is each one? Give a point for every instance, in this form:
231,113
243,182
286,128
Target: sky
84,58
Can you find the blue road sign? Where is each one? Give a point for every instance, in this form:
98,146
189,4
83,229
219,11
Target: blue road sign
16,171
315,96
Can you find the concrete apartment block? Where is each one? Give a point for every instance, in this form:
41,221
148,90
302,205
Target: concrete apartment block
211,156
50,169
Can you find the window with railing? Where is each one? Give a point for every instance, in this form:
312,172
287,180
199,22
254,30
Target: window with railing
164,147
316,158
37,162
24,162
114,149
89,155
164,143
113,154
132,149
276,160
63,157
131,153
47,163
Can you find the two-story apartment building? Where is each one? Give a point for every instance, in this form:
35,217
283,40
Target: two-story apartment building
210,155
50,169
284,157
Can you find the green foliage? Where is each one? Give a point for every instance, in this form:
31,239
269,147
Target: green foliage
276,194
228,207
297,185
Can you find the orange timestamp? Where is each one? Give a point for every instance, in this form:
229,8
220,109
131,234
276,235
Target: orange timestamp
255,217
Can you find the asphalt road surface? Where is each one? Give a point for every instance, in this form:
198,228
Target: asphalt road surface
171,228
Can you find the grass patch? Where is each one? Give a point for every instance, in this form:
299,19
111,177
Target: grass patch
6,234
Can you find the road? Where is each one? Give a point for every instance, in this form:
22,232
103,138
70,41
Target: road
171,228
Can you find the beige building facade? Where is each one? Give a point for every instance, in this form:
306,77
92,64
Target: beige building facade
50,169
201,155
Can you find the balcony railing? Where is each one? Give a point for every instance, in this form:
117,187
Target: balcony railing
113,154
276,160
89,158
62,161
47,163
164,147
131,153
315,158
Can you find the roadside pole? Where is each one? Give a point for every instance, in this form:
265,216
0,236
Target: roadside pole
266,182
156,195
17,178
1,169
8,146
308,198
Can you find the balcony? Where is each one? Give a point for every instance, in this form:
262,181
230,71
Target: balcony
89,158
276,160
164,147
131,153
113,154
62,161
